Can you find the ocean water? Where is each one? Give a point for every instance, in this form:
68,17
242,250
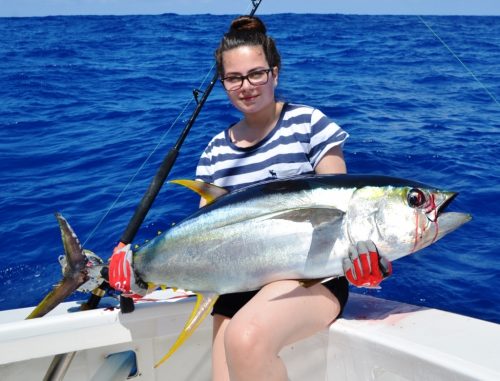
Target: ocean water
90,105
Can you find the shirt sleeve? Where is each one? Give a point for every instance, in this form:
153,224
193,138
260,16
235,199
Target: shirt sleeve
325,135
204,168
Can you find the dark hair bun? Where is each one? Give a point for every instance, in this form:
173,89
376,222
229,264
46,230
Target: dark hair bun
248,24
247,31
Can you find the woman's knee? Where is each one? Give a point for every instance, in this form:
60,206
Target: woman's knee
245,343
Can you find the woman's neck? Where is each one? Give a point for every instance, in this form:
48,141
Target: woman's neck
255,127
262,119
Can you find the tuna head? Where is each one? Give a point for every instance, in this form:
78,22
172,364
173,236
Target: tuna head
401,219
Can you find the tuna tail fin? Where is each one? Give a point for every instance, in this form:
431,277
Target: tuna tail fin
209,192
74,273
204,303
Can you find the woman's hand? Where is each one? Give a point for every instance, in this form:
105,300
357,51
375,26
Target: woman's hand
365,267
121,274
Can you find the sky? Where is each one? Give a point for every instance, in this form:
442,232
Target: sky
26,8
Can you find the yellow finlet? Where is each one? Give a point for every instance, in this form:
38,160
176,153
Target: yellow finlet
209,192
151,287
203,306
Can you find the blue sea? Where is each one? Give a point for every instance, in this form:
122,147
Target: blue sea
90,105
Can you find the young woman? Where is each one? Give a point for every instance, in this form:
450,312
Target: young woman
272,140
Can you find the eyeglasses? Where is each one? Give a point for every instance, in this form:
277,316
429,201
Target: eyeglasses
255,78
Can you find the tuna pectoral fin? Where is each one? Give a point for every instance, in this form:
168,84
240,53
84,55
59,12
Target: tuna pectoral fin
326,224
209,192
203,306
316,216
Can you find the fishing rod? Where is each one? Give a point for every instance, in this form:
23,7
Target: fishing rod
169,160
127,304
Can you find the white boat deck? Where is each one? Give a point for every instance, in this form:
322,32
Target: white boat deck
375,340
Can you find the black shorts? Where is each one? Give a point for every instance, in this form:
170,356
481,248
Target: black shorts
228,304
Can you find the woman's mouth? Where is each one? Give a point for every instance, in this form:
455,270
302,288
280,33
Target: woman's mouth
249,98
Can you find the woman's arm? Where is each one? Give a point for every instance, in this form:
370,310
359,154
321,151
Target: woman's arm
332,163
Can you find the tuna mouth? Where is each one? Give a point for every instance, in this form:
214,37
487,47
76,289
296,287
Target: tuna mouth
448,221
450,196
438,202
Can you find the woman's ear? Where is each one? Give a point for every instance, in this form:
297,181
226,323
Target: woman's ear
275,75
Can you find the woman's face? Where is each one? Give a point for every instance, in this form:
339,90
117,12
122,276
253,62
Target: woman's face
241,61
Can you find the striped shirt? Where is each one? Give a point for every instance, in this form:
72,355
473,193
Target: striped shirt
300,139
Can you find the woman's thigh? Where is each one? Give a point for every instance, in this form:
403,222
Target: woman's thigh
284,312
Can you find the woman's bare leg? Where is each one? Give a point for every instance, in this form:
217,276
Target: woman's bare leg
280,314
219,364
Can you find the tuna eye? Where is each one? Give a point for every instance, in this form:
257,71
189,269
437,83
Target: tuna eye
416,198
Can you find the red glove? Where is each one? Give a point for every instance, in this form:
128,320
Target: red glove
121,274
365,267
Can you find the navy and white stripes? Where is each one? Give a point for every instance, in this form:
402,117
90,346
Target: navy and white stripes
295,146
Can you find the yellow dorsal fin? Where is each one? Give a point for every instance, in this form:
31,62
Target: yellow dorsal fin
204,303
209,192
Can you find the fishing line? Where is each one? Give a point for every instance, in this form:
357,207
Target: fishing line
132,178
459,60
387,115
